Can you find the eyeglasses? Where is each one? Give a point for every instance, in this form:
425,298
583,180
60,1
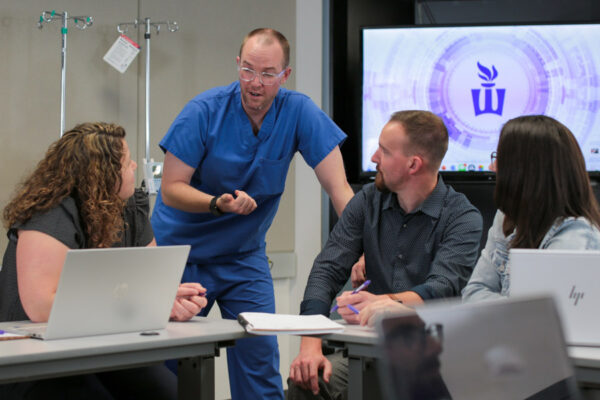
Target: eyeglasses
266,78
493,157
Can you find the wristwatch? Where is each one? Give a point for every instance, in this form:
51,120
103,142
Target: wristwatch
214,209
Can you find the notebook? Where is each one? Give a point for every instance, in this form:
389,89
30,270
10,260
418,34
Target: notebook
116,290
572,277
259,323
509,349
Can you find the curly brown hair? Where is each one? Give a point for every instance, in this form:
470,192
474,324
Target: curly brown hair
85,163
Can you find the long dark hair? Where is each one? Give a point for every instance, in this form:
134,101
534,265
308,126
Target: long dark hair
540,177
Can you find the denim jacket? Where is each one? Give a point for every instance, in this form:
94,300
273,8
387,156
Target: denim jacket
491,276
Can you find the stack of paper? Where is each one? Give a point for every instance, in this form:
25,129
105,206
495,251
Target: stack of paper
273,324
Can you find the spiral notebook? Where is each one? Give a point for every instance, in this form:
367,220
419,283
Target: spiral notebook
258,323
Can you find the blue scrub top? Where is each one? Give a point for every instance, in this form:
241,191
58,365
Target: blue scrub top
213,135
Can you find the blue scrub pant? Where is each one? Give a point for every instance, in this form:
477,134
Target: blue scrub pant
244,284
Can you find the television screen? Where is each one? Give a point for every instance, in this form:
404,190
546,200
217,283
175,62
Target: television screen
478,77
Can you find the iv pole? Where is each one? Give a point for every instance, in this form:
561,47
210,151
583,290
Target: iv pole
81,22
122,28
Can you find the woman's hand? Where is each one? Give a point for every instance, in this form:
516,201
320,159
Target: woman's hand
190,300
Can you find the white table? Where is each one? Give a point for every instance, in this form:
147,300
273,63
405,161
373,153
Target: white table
195,343
586,361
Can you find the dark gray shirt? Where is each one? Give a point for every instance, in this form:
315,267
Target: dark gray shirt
63,223
430,251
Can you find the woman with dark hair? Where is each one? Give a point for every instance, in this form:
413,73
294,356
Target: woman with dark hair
544,199
81,195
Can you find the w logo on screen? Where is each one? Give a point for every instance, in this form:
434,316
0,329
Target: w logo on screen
488,77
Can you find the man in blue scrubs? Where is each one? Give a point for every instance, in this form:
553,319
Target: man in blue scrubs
226,159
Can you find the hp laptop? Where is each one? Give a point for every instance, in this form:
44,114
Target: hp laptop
116,290
572,277
492,350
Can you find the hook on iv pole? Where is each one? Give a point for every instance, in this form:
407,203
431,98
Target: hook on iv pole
81,21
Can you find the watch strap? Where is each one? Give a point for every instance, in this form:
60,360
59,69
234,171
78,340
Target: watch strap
214,209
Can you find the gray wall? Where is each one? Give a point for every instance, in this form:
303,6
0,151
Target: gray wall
201,55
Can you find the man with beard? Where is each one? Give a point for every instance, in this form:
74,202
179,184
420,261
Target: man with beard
420,240
226,161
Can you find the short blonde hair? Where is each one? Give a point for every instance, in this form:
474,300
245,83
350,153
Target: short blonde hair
269,34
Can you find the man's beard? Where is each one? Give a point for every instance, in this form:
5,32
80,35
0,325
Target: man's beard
380,183
259,107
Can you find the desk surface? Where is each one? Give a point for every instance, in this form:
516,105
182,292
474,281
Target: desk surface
581,356
355,334
197,330
34,358
584,356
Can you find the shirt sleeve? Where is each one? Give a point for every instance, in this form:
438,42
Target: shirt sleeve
185,139
61,223
574,234
486,282
318,134
333,265
454,257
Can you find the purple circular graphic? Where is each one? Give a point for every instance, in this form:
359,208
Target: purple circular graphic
477,78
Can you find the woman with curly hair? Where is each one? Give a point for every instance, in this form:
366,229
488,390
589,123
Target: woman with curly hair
81,195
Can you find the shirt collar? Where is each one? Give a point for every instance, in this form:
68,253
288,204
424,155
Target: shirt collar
432,205
390,200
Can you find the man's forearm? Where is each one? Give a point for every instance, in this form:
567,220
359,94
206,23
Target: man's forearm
184,197
315,306
409,298
310,344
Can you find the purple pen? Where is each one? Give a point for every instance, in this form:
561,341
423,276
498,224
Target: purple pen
353,309
358,289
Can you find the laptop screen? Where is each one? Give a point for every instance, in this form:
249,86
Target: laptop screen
513,349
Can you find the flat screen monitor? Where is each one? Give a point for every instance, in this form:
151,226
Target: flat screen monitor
478,77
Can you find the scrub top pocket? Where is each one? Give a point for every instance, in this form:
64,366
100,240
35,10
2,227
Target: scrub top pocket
269,178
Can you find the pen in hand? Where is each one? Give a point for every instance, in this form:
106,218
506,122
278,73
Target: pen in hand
358,289
353,309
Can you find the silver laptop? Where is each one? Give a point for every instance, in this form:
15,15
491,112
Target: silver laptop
116,290
491,350
572,277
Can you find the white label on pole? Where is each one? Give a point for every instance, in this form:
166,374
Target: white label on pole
122,53
153,171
